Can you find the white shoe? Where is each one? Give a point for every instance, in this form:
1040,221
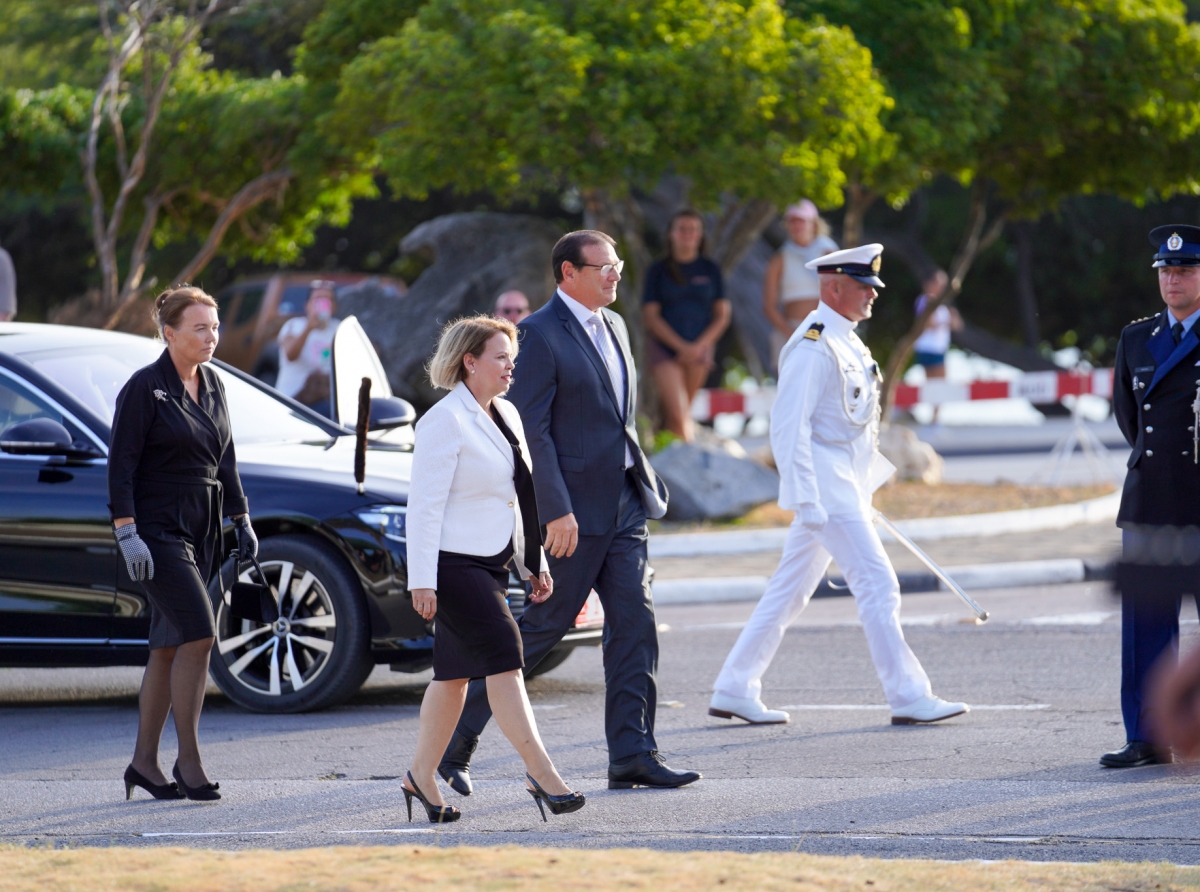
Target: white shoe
749,709
927,709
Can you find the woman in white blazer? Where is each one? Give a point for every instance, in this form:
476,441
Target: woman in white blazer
472,513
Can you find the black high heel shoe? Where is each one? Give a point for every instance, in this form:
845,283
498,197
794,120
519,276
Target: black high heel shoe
438,814
558,805
134,778
203,793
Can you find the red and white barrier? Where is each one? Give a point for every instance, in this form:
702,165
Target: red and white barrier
1037,387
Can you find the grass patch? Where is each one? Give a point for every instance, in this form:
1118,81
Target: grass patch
357,869
902,501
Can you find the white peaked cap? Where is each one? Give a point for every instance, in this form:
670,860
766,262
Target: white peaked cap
861,263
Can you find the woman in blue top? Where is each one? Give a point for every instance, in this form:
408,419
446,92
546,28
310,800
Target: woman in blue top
685,313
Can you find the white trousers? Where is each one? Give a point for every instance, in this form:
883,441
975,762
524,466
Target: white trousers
854,543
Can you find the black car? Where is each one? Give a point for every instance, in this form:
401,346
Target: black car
336,557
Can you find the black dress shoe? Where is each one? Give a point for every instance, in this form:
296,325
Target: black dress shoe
647,770
1136,753
455,767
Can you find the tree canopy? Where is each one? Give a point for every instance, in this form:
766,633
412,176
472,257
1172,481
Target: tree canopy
531,96
176,152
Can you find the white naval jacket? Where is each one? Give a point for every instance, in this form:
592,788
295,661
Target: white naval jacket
825,417
462,497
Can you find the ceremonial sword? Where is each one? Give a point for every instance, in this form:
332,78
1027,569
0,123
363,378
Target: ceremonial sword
1196,427
936,570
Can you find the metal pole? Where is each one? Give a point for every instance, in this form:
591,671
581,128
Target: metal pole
928,562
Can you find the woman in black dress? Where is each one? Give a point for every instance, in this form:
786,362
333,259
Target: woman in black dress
472,512
172,475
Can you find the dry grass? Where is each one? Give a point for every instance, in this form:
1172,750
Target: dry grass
901,501
348,869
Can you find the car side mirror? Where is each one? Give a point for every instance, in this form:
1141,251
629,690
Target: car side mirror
41,436
388,412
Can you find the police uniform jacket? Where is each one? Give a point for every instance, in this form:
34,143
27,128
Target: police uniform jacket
171,462
1154,386
824,420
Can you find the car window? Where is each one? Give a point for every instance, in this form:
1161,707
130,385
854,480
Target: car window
94,374
18,403
251,301
292,302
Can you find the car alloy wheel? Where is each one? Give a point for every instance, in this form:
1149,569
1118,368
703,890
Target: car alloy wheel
288,655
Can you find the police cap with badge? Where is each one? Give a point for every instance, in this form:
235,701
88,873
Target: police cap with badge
861,263
1178,245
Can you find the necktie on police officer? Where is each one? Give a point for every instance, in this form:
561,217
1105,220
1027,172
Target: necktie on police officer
1177,332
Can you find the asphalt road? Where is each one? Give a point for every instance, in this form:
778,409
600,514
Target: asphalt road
1016,778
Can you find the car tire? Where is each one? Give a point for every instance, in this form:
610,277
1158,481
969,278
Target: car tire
550,661
322,637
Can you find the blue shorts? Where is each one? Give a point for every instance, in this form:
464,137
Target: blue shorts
929,359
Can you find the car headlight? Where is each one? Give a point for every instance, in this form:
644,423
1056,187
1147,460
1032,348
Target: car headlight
388,519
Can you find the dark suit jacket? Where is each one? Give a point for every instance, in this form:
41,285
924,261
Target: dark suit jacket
576,426
1154,385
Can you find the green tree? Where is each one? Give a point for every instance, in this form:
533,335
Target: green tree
934,59
169,150
1080,97
608,96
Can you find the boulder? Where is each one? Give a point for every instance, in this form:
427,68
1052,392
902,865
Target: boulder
475,257
706,482
914,459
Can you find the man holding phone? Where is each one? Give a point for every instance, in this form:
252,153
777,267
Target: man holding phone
305,350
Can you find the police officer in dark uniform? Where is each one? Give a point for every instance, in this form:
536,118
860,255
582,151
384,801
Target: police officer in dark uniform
1156,401
172,475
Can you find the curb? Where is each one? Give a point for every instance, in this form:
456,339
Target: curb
923,529
975,576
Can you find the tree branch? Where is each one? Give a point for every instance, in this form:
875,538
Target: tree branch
975,241
254,193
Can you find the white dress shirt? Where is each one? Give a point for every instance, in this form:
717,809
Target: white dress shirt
604,342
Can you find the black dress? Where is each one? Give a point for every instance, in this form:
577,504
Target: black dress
475,634
172,468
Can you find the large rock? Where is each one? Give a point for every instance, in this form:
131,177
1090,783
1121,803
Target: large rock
475,257
707,482
914,459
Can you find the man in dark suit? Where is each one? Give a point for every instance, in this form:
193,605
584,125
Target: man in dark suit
1156,401
575,386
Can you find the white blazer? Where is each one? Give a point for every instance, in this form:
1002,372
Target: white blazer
462,497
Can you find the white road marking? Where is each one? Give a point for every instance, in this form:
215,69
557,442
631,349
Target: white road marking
391,830
1090,618
218,833
854,707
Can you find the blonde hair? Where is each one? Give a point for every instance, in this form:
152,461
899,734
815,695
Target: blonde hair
170,306
463,336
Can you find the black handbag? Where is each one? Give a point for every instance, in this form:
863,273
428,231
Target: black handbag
255,601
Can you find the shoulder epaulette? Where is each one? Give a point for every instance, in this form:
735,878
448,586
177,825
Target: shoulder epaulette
814,331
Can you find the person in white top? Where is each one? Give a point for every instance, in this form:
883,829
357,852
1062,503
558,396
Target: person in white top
790,290
824,428
306,350
930,349
472,511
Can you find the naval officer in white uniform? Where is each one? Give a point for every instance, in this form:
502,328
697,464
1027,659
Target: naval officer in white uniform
824,432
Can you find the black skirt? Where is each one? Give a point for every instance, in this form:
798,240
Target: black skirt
180,522
475,634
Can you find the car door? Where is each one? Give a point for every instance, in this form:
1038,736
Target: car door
58,557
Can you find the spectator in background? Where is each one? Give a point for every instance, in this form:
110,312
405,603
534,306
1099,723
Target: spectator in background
685,312
512,305
306,350
929,350
791,292
8,288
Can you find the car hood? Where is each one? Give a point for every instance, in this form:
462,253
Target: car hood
388,470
